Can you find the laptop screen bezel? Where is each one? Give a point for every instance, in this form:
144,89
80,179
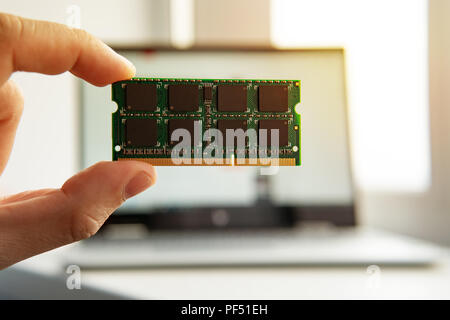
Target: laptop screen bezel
263,214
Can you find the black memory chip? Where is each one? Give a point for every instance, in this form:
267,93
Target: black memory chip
223,125
207,93
273,98
232,98
281,125
187,124
183,97
141,132
141,97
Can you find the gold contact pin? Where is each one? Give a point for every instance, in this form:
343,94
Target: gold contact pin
210,162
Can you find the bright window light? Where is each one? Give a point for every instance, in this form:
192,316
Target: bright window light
386,45
182,23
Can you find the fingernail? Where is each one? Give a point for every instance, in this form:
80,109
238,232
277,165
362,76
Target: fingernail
129,64
139,183
125,61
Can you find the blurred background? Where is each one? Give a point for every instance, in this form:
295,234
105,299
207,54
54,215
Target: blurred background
374,111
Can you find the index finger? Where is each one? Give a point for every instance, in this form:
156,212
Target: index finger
53,48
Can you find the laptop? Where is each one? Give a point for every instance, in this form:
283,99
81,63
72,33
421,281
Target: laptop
235,216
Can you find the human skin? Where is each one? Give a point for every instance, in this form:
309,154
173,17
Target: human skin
36,221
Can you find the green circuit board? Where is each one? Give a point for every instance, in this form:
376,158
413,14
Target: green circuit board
150,110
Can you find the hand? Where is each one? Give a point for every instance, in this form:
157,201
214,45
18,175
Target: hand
33,222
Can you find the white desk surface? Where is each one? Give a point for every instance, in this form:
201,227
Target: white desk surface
431,282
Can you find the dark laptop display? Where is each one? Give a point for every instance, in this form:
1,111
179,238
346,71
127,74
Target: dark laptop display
241,197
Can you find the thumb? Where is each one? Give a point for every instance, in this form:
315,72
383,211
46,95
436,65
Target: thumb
41,221
96,192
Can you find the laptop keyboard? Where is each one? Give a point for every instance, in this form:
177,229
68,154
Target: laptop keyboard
220,240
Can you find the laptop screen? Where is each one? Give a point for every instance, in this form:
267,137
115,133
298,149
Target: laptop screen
323,178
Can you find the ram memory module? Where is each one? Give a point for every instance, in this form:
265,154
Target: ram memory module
207,121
